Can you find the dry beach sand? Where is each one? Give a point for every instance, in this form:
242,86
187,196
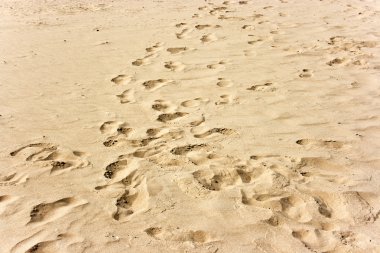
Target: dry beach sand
189,126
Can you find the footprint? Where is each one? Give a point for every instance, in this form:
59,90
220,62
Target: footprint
114,167
148,152
155,48
174,66
320,172
306,73
217,65
115,127
114,140
153,132
172,135
39,148
139,62
183,34
121,79
153,85
179,25
127,96
323,208
198,122
163,106
336,61
222,131
134,178
194,102
117,131
268,87
217,9
358,208
177,50
320,143
209,38
42,246
144,61
46,212
316,239
253,42
183,150
201,27
216,179
226,99
224,83
154,232
132,202
296,209
60,159
142,142
248,27
165,117
196,237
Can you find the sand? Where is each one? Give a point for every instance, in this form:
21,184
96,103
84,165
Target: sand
189,126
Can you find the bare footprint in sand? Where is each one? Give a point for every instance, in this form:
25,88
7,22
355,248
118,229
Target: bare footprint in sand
155,48
183,150
201,27
194,236
174,66
336,61
144,61
139,62
166,117
60,159
184,34
226,99
153,85
255,42
268,87
115,167
248,27
208,38
216,179
316,239
221,131
218,66
121,79
127,96
163,106
199,122
306,73
320,143
116,131
46,212
179,25
177,50
132,202
115,127
196,102
222,82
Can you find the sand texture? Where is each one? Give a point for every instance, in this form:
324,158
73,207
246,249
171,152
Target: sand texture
189,126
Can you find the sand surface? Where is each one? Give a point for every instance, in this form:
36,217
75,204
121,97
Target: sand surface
189,126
